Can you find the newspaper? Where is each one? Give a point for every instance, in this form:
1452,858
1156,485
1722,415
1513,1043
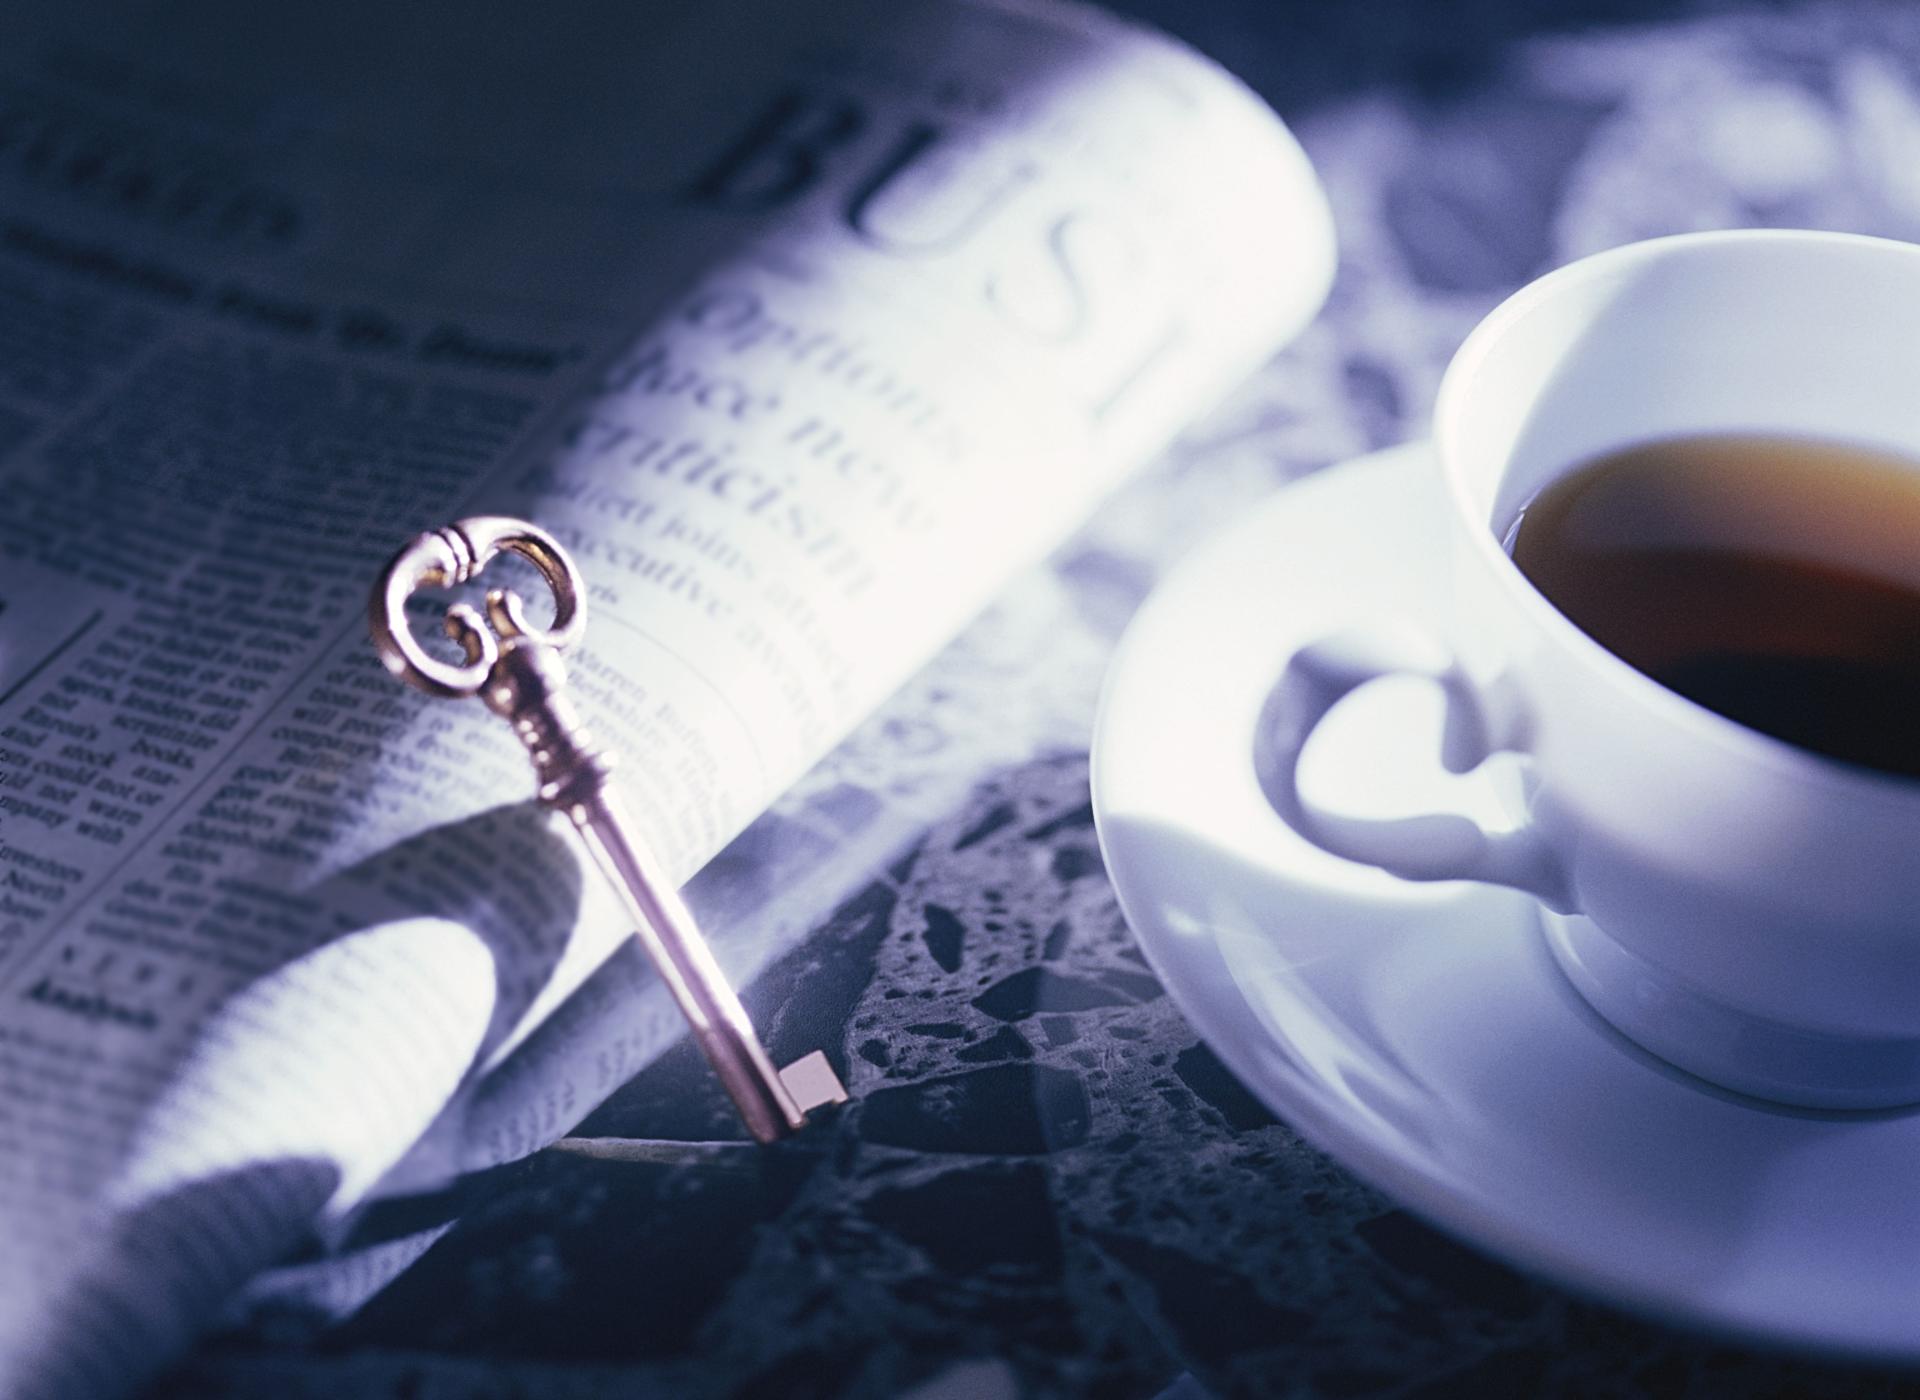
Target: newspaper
802,328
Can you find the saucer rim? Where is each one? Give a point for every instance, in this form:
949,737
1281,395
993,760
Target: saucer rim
1404,1180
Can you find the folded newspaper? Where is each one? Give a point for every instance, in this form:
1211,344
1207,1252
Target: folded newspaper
802,327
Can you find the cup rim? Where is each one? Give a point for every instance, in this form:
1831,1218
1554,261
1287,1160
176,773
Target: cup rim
1737,741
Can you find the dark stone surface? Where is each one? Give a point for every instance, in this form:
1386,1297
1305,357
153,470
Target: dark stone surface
945,934
1004,1044
675,1234
1035,989
1417,1251
1005,1109
1211,1309
1201,1071
976,1218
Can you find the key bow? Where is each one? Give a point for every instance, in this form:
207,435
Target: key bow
449,557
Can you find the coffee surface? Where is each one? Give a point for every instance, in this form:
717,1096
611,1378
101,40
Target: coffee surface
1775,580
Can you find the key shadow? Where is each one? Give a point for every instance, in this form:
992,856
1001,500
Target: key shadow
304,1085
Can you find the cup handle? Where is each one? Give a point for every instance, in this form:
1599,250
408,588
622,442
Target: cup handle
1480,721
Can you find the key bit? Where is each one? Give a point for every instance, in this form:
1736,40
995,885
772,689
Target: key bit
516,670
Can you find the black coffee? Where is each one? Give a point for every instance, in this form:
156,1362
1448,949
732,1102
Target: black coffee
1773,579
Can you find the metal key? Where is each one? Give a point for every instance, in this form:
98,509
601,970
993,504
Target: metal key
515,668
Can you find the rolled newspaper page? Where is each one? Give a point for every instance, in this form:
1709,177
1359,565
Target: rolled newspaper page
801,328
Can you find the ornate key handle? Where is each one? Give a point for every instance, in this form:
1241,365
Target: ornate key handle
456,555
515,668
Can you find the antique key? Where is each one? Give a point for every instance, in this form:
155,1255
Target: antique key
515,668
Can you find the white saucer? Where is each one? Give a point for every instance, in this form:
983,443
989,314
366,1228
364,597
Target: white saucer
1422,1035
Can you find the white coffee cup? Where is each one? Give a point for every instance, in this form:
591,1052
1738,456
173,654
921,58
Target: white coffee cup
1745,909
